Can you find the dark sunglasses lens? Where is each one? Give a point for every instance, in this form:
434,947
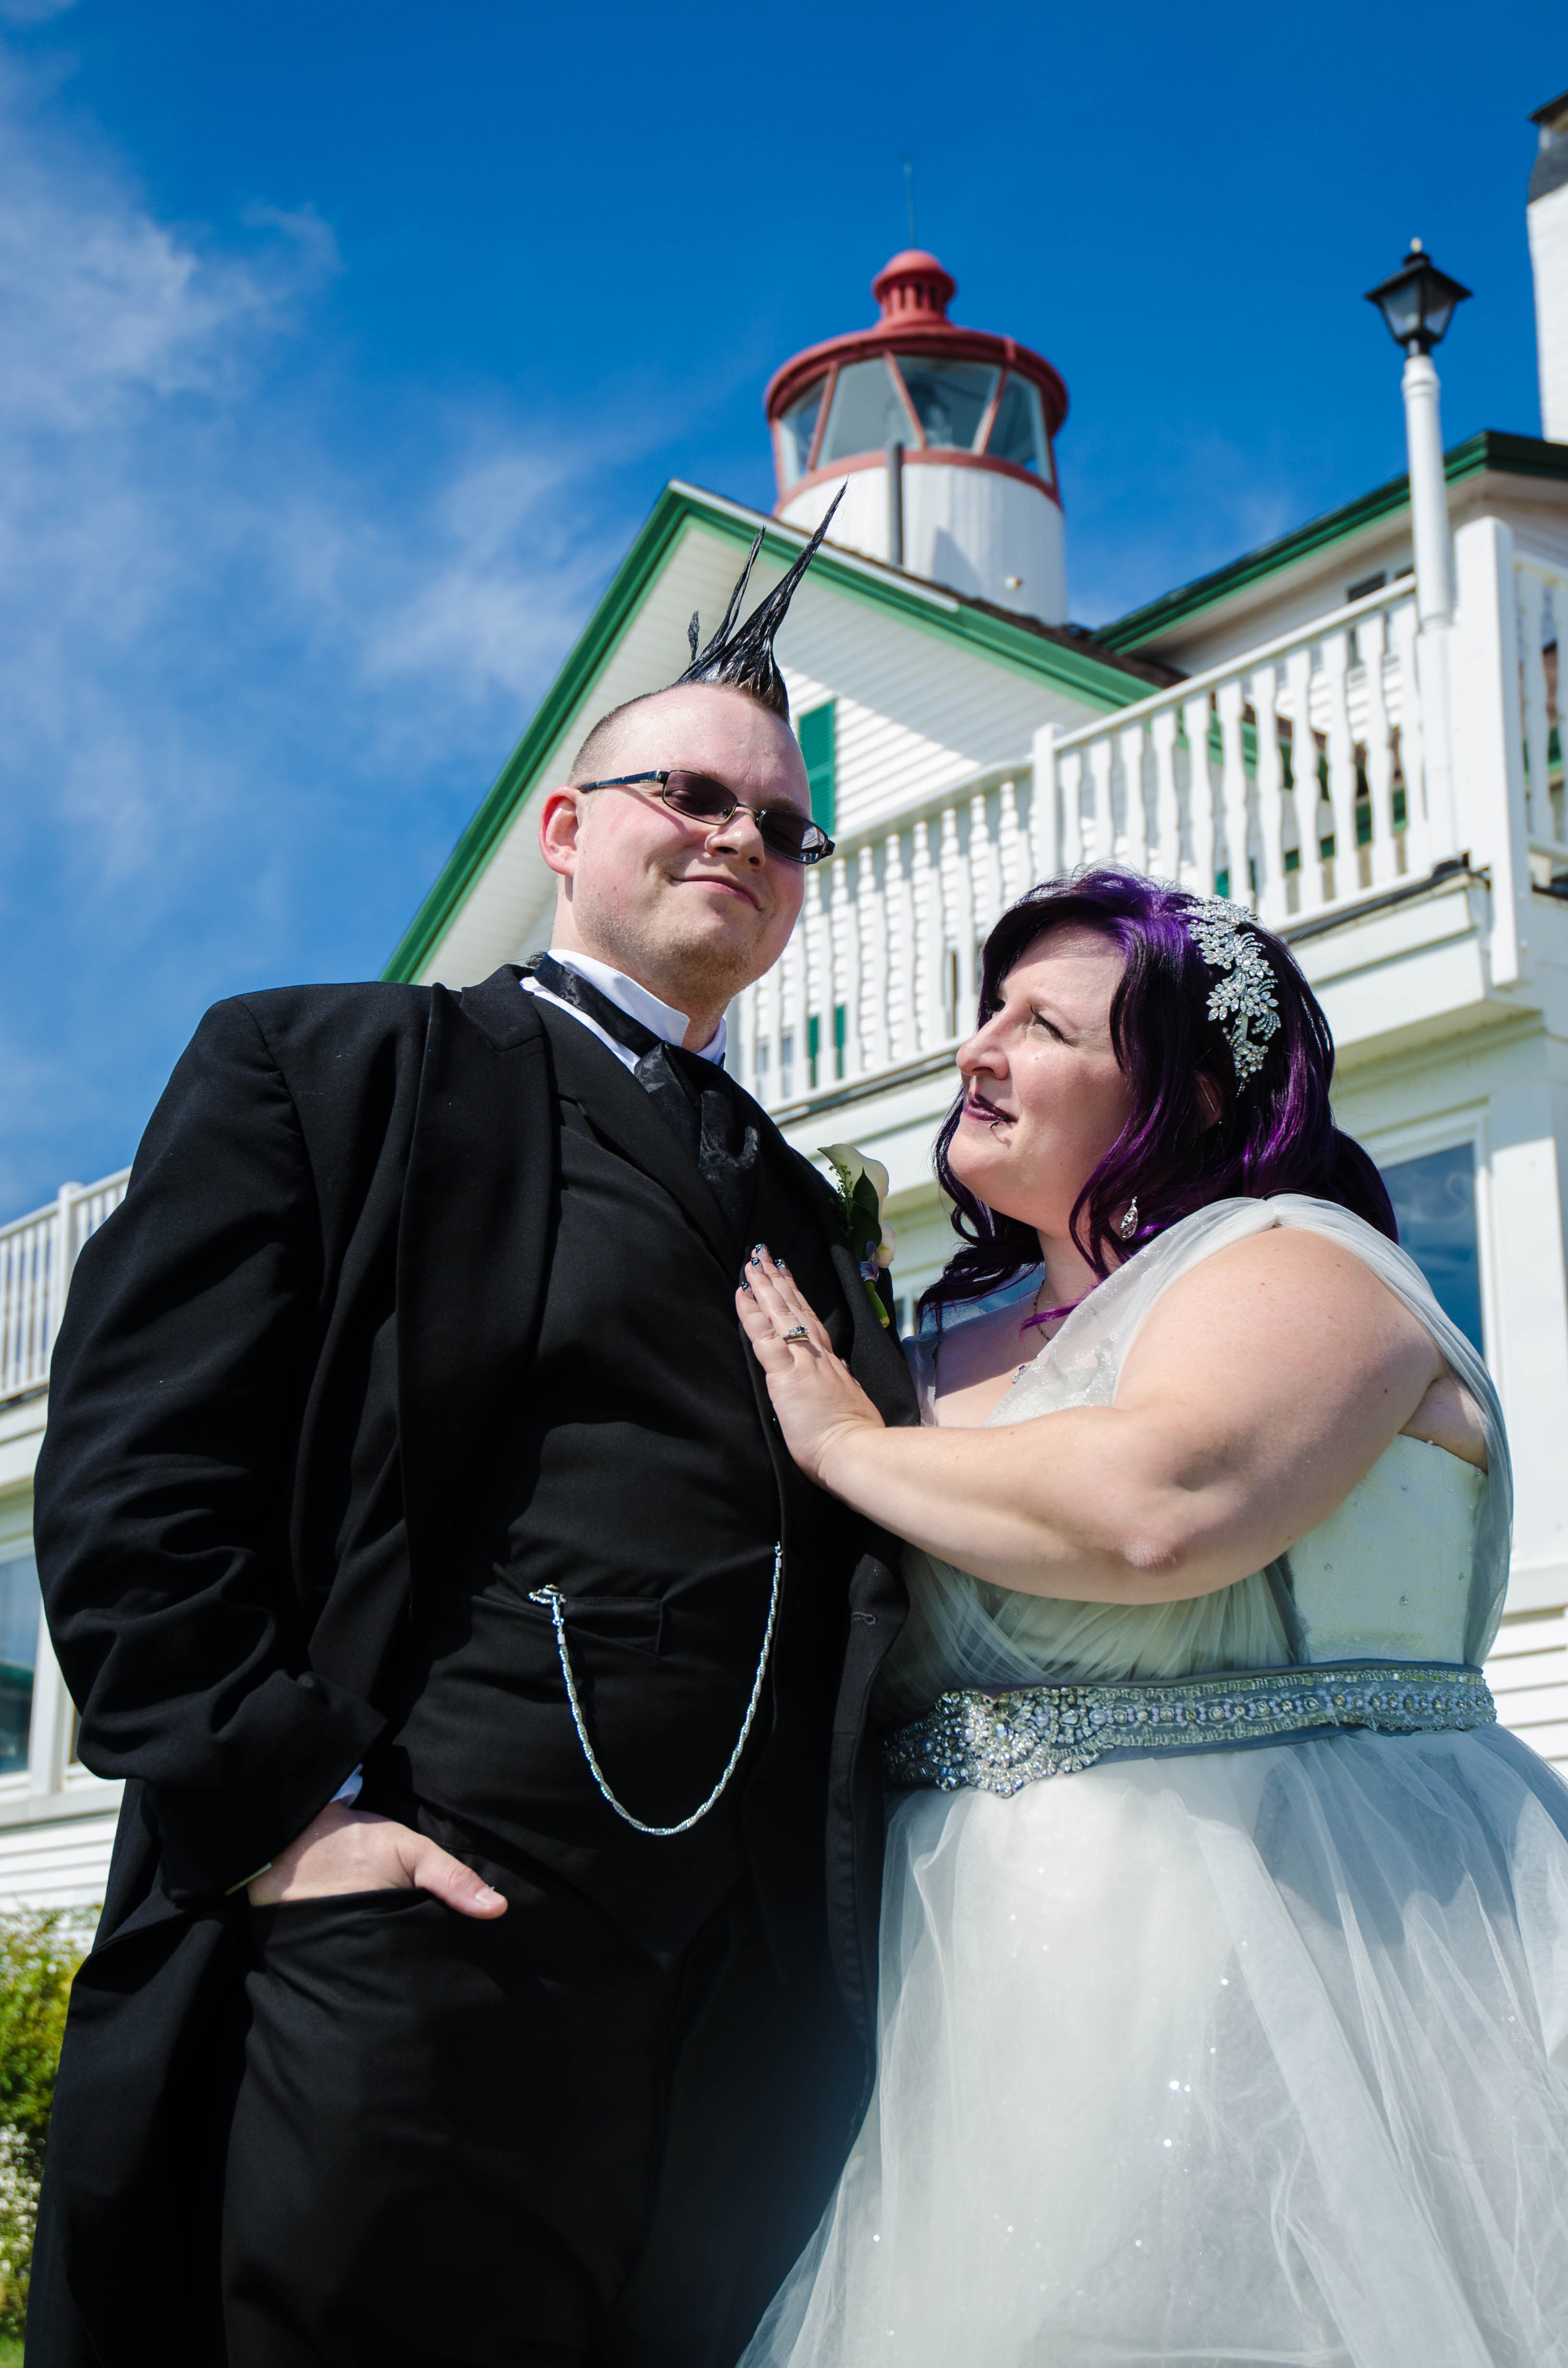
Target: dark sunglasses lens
786,835
694,794
792,836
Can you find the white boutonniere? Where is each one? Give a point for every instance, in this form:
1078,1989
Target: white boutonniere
862,1188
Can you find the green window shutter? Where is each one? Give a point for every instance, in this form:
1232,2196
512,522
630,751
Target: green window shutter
819,747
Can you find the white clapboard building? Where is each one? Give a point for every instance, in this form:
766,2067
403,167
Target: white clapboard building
1355,728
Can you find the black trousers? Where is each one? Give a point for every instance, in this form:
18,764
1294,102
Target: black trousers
524,2144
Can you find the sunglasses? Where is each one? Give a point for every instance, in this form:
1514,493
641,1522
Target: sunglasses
781,829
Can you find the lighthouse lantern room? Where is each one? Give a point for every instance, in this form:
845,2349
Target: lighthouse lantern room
942,439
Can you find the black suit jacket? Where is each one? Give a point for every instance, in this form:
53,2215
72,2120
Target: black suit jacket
277,1367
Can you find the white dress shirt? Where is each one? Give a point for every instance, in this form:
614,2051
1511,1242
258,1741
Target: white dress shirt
627,997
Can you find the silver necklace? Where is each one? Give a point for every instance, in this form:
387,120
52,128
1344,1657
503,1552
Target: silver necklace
554,1603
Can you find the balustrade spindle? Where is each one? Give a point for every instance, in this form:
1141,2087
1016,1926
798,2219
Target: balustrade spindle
1168,794
1195,718
769,994
902,1034
1011,844
798,1006
1372,635
1304,775
838,1034
984,867
1341,762
1070,773
870,1037
958,920
1273,894
1134,808
824,975
1045,809
1234,793
741,1054
930,941
1102,757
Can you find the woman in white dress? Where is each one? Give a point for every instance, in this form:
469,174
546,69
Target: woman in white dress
1224,1954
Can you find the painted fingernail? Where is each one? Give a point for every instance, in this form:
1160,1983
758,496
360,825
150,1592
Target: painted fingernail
756,1254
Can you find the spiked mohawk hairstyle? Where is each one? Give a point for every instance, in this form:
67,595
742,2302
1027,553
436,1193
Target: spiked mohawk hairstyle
742,658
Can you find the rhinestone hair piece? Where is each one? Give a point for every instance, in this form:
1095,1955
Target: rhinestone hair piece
1244,998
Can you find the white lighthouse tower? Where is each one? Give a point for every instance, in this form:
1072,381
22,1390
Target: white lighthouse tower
942,437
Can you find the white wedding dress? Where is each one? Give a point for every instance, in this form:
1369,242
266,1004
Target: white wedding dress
1249,2054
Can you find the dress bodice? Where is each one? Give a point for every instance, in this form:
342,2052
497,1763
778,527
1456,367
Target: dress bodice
1408,1566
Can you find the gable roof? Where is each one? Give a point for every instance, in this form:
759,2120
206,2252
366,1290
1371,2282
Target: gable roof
1069,658
1518,456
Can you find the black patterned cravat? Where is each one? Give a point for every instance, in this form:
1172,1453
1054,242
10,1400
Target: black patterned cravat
690,1093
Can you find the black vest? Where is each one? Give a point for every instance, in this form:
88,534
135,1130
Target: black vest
640,1473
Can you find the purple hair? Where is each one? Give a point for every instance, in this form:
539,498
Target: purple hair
1274,1134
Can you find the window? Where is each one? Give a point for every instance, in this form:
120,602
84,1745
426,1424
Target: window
1017,432
18,1658
949,399
867,413
819,746
796,427
1434,1199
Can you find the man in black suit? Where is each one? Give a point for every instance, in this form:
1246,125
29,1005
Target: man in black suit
418,1545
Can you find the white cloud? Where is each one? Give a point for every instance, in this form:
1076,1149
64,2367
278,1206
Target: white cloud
32,12
243,660
164,509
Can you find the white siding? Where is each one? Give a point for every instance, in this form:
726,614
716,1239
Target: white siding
1529,1675
61,1864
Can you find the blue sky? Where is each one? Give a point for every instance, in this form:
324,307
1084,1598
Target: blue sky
346,346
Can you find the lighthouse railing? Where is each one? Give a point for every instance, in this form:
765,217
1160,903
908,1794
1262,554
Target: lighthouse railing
1292,778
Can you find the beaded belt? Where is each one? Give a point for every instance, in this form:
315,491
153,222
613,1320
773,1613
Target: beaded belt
999,1743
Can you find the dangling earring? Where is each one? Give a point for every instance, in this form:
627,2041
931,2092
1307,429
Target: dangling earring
1129,1224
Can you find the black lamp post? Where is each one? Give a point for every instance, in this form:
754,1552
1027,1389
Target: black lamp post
1418,301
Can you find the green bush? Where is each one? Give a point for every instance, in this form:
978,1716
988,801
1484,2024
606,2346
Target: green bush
38,1954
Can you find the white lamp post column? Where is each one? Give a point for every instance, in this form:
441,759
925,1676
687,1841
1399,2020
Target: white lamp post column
1429,493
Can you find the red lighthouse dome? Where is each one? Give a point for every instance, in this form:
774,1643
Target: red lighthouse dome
942,436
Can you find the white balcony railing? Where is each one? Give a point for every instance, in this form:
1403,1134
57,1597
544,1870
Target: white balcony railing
1292,778
36,1255
1305,776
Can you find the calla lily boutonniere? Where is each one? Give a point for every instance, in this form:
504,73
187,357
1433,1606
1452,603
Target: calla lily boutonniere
862,1188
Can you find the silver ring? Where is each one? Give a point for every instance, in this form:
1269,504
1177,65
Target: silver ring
799,1333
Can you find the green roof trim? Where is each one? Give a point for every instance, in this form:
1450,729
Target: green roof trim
1013,646
1518,456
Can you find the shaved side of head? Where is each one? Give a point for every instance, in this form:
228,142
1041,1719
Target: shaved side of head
596,756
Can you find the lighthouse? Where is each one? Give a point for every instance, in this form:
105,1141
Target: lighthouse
942,437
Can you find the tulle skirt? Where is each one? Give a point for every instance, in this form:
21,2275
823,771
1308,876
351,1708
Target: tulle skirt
1252,2057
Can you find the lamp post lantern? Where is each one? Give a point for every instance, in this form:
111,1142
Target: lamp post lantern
1418,304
